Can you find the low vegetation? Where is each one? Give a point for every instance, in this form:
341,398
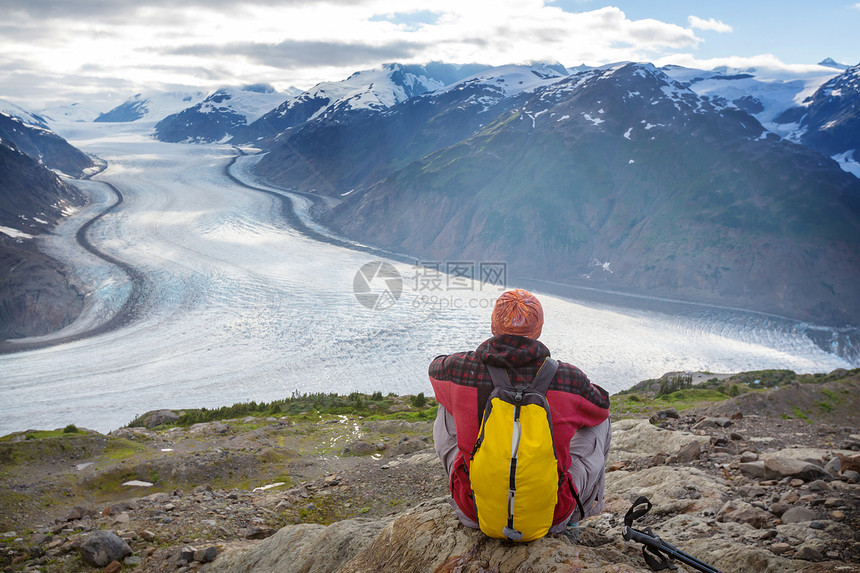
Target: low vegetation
371,406
679,391
673,390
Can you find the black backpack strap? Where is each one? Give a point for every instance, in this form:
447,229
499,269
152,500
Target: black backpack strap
500,377
545,376
541,381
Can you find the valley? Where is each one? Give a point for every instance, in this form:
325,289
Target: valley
241,306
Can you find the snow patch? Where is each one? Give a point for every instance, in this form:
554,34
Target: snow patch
269,486
14,233
847,163
627,133
595,120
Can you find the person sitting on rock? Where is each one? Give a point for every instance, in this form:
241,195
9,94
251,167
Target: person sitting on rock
579,410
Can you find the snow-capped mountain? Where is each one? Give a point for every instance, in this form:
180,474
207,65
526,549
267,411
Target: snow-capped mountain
152,105
829,120
27,133
763,93
220,115
354,148
26,117
831,63
367,90
619,175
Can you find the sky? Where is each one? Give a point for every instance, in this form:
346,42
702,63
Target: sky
53,52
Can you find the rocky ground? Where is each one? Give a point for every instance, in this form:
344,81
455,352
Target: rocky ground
734,483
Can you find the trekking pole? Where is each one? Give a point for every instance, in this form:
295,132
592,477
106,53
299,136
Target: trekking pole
657,553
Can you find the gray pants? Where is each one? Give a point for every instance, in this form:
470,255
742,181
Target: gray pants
588,451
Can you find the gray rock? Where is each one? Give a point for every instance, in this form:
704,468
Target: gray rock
306,547
102,547
187,553
779,508
780,548
819,485
798,515
79,512
39,538
663,415
742,512
359,448
688,453
781,467
753,470
258,532
159,417
206,555
834,467
713,423
426,538
808,553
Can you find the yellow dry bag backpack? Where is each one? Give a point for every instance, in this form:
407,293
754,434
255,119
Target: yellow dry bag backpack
514,469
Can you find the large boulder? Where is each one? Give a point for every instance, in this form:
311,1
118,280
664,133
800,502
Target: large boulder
779,468
306,548
671,489
103,547
634,438
427,538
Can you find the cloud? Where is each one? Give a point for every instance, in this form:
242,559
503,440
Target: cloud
766,66
709,24
85,9
210,43
294,53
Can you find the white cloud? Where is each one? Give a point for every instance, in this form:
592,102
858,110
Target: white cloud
766,66
302,42
709,24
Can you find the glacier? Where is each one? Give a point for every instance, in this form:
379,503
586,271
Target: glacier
236,305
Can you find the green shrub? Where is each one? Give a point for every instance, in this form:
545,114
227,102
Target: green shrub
70,429
419,400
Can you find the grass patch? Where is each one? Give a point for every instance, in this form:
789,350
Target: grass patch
832,396
313,406
121,449
800,414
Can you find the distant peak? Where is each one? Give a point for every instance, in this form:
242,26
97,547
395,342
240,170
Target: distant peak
831,63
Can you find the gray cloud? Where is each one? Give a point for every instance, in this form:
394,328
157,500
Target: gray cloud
292,53
83,9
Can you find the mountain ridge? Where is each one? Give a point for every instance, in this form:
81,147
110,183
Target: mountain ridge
461,199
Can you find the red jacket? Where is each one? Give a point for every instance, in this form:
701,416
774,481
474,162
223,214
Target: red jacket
461,382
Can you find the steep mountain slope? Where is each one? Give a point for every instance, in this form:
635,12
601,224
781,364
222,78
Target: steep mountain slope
219,116
344,148
43,145
624,177
829,121
376,89
35,297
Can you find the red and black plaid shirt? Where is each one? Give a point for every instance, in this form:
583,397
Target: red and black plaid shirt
462,384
